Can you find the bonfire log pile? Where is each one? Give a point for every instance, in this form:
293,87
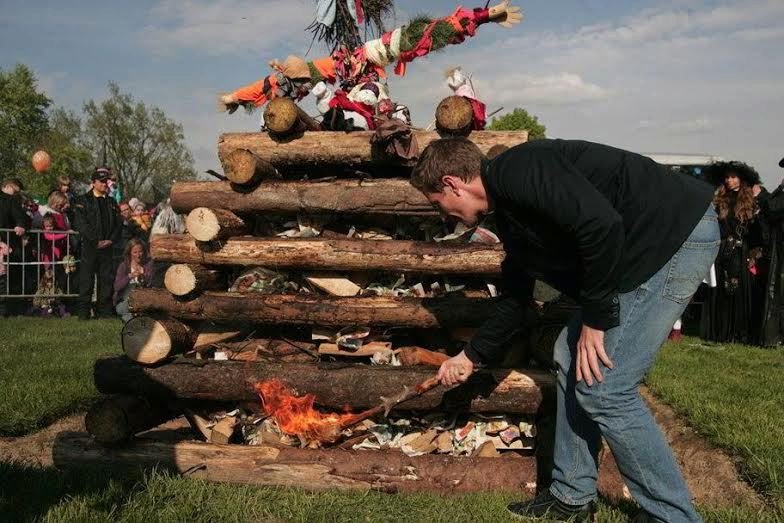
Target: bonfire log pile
312,285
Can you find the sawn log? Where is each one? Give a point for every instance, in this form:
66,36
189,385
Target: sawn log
309,309
320,151
330,254
368,197
334,385
387,471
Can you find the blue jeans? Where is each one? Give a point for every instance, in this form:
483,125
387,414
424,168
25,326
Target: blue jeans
614,408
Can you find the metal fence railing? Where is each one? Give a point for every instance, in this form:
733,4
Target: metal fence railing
41,263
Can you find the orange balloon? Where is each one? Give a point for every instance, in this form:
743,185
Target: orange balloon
41,161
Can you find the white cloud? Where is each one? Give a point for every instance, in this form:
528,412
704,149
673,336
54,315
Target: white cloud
557,89
698,125
688,76
224,27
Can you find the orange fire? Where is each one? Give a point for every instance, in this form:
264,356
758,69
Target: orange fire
295,414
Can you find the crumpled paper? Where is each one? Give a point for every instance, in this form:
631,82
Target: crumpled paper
264,281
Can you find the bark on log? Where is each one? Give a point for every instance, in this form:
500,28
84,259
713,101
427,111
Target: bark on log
115,420
189,279
327,254
147,340
318,151
454,116
387,471
245,169
262,349
207,225
307,309
370,197
334,385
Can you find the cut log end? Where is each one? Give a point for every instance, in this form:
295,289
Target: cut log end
180,280
454,116
281,116
244,168
147,340
206,225
189,279
107,423
115,420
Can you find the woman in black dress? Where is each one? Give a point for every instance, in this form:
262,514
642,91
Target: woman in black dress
733,310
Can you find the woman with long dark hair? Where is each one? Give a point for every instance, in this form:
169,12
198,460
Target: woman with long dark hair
134,271
733,310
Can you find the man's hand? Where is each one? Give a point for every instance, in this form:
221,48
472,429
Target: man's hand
104,244
19,231
590,351
455,370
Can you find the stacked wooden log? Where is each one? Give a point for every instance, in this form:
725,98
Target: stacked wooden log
171,346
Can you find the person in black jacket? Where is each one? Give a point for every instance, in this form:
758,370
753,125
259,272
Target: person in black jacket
772,210
15,221
732,312
626,239
97,219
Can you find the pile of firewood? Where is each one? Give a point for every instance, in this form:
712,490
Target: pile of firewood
314,265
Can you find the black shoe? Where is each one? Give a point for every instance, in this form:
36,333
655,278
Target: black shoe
546,506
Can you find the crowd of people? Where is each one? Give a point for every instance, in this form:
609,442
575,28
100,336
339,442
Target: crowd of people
110,246
743,304
746,305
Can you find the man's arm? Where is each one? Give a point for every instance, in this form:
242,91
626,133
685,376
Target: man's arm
116,233
511,313
19,215
82,222
553,188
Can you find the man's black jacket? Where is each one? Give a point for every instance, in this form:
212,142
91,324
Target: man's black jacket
11,212
12,215
97,218
590,220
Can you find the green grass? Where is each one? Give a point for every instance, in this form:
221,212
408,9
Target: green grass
733,395
46,368
160,497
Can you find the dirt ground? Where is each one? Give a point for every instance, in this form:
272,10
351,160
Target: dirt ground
710,473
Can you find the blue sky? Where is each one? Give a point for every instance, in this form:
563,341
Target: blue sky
686,76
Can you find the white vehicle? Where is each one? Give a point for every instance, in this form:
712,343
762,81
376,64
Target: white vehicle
693,164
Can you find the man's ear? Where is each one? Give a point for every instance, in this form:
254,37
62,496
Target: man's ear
451,183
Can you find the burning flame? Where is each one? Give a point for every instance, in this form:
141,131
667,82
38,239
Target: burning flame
295,414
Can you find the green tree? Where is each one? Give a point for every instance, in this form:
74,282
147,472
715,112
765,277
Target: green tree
519,120
23,120
144,147
64,141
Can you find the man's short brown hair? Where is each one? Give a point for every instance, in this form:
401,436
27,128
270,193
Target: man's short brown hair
446,157
12,181
64,179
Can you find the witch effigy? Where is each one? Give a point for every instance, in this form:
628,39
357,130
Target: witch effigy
358,69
